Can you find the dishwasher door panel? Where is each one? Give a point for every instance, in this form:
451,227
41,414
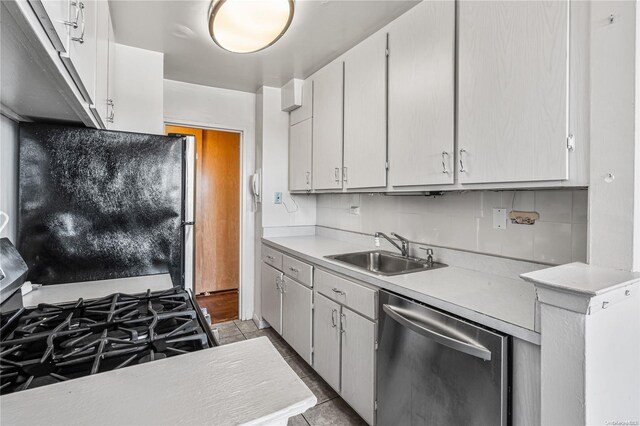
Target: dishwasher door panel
434,369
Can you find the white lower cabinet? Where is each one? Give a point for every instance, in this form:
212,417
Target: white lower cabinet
326,340
344,342
271,280
358,363
296,316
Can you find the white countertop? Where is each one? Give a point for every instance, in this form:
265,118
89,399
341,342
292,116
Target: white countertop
242,383
61,293
502,303
582,279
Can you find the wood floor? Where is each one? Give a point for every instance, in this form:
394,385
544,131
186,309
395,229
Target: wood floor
222,305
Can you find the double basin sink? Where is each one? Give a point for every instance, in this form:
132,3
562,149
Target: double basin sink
385,263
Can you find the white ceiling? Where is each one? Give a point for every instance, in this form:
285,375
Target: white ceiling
321,31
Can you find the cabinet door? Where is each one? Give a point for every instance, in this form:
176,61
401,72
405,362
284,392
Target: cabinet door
358,363
296,317
80,59
300,156
306,110
512,91
102,63
365,114
271,297
327,126
326,340
421,95
54,17
111,103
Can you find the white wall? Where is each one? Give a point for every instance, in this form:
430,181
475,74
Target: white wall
209,107
465,221
9,175
296,210
138,95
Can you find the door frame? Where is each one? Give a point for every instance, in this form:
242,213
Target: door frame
243,214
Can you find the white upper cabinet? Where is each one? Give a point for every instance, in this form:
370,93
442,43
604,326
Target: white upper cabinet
512,91
365,114
421,95
81,58
306,110
327,126
300,146
100,107
54,17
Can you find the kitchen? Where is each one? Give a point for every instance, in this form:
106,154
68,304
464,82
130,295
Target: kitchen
435,221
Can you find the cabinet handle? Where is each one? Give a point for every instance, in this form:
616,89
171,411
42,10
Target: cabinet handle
344,174
74,23
342,329
444,162
278,286
337,174
339,292
308,178
462,170
334,323
81,38
283,286
269,257
294,270
111,116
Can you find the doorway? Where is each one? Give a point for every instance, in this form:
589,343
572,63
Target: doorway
217,220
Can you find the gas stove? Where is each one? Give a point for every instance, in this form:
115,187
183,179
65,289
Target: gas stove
53,343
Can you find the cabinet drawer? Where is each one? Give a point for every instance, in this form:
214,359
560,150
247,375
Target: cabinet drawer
355,296
297,270
272,257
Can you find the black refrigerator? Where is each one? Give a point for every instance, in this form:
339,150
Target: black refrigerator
97,204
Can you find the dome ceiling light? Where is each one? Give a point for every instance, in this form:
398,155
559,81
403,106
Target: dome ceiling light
246,26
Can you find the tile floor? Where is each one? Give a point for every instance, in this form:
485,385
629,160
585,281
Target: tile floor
330,408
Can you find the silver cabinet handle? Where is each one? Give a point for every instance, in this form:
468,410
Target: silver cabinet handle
334,323
80,39
337,174
339,292
294,270
74,23
308,178
269,257
111,116
450,339
462,170
278,285
283,286
342,329
444,163
344,174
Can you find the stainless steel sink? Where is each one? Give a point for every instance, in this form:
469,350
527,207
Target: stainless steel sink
385,263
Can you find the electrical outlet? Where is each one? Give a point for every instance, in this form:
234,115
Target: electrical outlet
499,218
354,210
277,199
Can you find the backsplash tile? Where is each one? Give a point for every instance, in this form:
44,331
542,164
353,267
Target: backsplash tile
464,220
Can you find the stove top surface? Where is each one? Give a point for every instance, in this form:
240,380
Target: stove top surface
53,343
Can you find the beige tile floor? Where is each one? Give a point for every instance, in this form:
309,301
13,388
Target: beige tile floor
330,410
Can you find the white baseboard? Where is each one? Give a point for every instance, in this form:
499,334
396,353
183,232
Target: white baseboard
259,322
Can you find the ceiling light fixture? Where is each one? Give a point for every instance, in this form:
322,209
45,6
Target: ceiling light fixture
246,26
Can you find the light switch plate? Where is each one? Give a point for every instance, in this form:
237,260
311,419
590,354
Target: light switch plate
277,198
499,218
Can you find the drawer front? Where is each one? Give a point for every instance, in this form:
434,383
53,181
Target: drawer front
299,271
272,257
357,297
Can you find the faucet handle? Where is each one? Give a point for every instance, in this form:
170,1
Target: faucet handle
428,250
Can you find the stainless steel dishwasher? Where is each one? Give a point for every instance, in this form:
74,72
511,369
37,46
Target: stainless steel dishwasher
435,369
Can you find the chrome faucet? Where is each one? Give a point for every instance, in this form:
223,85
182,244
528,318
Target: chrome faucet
404,249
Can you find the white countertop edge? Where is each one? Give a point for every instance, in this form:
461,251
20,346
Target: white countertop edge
581,279
196,388
379,281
